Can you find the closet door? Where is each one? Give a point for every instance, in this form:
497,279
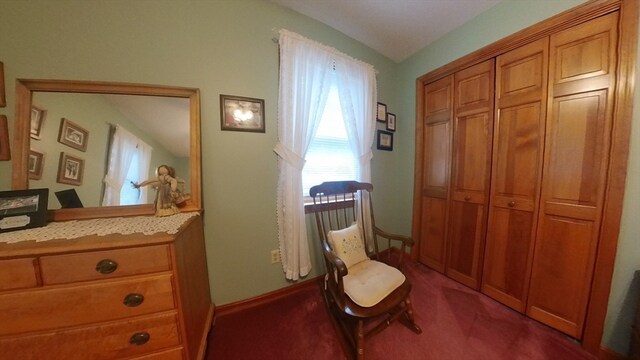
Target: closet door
521,94
471,167
582,77
438,105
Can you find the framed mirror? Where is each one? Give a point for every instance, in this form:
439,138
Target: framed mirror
65,133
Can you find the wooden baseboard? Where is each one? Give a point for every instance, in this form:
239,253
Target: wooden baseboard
266,298
608,354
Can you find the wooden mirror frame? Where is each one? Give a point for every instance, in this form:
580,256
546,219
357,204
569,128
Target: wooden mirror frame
24,94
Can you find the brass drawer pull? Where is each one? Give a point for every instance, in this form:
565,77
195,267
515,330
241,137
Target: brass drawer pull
511,203
106,266
140,338
133,300
467,198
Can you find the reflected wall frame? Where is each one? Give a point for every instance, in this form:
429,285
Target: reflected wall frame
24,93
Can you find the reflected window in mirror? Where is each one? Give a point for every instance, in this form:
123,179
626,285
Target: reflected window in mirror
128,163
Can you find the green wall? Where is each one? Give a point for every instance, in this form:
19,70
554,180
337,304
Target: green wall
220,47
226,47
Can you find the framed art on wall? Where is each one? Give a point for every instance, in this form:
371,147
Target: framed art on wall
391,122
5,149
23,209
37,118
385,140
3,97
36,159
239,113
70,169
381,112
73,135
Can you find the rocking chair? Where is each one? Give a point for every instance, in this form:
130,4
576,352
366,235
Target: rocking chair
363,292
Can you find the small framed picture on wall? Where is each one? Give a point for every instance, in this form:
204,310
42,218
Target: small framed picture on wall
70,169
238,113
385,140
73,135
3,97
5,150
381,113
38,115
36,160
391,122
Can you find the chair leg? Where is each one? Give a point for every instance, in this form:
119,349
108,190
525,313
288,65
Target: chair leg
360,340
408,320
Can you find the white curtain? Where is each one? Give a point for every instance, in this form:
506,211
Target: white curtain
305,80
144,163
123,147
358,98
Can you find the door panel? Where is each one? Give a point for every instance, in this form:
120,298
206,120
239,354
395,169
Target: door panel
521,91
434,215
438,104
471,168
578,136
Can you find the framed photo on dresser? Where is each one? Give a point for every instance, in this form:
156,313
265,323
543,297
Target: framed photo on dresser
23,209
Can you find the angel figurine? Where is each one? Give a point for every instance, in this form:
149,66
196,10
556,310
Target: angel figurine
168,196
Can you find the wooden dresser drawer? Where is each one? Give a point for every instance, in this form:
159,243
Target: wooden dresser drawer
100,341
172,354
63,306
61,269
17,274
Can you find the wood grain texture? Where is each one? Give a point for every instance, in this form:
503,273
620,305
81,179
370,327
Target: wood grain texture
435,178
75,302
470,174
578,140
106,341
521,94
622,108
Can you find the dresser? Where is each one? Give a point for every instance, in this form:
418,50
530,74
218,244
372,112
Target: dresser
107,296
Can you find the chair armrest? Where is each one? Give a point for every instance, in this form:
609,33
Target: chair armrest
334,261
406,240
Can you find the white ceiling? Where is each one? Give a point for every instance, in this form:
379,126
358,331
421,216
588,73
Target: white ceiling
394,28
166,119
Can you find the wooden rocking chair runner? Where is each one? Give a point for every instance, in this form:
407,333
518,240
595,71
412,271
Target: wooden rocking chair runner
363,293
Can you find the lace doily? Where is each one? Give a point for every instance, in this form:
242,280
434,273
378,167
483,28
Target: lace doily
146,225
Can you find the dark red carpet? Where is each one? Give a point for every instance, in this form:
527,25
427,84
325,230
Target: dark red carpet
457,322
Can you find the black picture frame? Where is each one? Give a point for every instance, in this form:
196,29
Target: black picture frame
385,140
238,113
69,199
23,209
381,112
391,122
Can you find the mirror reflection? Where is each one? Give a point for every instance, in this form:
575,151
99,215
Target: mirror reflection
90,148
73,142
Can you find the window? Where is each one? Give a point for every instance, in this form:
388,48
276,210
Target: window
329,157
129,160
128,194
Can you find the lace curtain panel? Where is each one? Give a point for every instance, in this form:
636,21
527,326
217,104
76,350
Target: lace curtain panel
307,71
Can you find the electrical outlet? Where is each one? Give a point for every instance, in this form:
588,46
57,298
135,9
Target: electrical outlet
275,256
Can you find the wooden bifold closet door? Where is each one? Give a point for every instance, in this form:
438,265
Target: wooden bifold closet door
438,105
579,125
521,97
514,155
471,168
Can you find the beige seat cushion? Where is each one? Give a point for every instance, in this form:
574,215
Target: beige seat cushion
370,281
347,244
